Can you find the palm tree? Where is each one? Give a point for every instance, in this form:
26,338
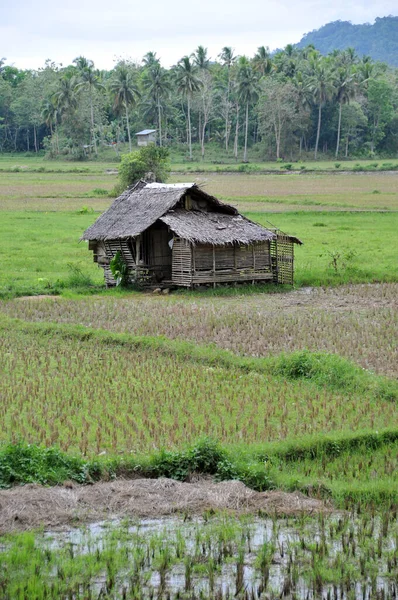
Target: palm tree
150,59
247,92
304,99
227,58
200,58
82,63
65,96
49,114
321,86
90,79
125,93
187,84
345,90
156,83
262,61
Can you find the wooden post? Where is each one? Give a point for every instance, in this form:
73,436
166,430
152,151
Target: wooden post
137,255
214,266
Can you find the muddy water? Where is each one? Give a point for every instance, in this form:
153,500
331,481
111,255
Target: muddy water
293,544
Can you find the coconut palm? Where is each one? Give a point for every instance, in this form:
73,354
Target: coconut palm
49,114
228,59
65,96
81,63
90,79
125,93
344,91
304,101
248,89
320,83
200,58
156,83
188,83
262,61
150,59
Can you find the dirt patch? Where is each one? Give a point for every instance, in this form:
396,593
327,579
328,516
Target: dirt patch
38,297
31,506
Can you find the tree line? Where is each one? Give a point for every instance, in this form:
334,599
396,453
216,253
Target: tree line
290,105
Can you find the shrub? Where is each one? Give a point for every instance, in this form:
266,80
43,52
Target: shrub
287,166
337,165
27,463
119,270
136,165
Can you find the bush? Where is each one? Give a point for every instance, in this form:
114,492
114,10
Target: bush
287,166
26,463
119,270
136,165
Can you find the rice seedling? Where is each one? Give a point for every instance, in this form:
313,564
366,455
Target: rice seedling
357,322
343,556
92,398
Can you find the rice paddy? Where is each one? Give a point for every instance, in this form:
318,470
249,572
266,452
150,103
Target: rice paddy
91,398
357,322
342,557
126,382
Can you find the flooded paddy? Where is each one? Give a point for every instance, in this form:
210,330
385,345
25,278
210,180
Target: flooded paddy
212,555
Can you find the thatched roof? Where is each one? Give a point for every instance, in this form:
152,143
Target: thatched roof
142,205
215,228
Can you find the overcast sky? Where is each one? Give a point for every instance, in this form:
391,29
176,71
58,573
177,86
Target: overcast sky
33,31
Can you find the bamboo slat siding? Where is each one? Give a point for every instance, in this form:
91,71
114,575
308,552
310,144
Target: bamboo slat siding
181,270
282,257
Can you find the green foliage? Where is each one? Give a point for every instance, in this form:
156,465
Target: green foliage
119,270
150,159
334,371
203,457
77,278
28,463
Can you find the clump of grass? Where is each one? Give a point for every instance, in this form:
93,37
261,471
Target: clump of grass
333,371
100,192
29,463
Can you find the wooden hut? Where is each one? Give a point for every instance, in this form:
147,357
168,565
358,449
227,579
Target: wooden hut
177,234
146,136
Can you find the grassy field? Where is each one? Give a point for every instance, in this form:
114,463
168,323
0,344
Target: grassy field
297,387
39,251
49,212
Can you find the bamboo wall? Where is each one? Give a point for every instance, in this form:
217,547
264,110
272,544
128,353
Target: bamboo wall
205,263
282,259
189,265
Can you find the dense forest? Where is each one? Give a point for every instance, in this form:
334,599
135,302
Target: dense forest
293,104
379,41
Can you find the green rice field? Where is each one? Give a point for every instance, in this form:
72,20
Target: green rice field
280,389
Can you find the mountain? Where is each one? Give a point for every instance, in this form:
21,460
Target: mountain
380,40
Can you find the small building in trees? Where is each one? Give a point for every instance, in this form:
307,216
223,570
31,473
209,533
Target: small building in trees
146,136
178,235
